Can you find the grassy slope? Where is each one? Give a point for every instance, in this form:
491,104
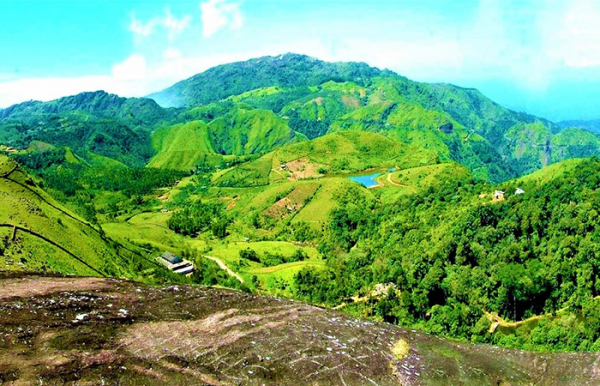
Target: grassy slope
29,207
181,146
245,132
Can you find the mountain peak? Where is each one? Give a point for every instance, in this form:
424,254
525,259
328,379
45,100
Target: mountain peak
285,70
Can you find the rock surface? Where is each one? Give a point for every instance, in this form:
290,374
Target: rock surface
135,334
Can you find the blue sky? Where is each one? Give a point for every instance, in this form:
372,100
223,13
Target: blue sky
537,56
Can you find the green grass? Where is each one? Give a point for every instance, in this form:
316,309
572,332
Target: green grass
180,147
277,279
25,205
244,132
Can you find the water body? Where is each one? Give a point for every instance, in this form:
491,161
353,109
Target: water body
367,181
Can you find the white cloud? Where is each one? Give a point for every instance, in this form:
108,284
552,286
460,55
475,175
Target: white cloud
133,68
218,14
170,23
128,78
172,53
134,77
574,39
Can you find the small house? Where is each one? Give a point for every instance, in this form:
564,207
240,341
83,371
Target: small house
171,258
176,263
519,191
498,195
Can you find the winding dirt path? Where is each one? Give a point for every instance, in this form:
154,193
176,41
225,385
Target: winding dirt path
226,268
389,179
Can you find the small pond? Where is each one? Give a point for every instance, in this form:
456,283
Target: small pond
366,180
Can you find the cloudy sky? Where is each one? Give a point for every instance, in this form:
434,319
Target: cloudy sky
539,56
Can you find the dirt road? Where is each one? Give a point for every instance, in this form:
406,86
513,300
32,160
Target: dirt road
226,268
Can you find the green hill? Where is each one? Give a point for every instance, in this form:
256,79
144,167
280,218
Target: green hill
244,132
238,133
457,123
289,70
38,234
134,111
181,146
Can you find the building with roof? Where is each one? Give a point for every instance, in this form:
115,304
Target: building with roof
176,263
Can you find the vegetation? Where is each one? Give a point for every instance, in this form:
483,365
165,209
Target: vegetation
455,259
248,178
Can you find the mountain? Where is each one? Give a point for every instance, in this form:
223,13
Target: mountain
317,97
96,331
289,71
593,125
255,106
94,123
99,104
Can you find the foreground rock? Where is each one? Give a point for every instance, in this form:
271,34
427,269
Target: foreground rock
96,331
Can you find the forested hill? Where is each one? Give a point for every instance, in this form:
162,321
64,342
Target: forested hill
253,107
98,104
593,125
289,70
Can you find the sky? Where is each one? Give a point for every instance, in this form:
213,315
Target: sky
538,56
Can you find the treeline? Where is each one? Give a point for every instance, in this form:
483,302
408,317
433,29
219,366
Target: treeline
272,259
200,217
456,260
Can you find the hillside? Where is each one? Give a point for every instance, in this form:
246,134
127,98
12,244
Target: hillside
98,104
238,133
289,70
90,124
109,331
39,234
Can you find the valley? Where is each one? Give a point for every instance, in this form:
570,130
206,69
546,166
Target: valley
456,223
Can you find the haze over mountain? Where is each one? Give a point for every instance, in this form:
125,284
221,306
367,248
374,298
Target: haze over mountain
141,48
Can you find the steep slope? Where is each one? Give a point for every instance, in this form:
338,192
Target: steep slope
244,132
115,332
181,146
240,132
38,234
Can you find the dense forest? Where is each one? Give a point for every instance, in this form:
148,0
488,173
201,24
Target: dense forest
452,262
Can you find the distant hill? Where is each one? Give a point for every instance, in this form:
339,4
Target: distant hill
98,104
253,107
593,126
289,70
94,123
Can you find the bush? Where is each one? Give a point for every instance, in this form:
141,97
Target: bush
249,254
